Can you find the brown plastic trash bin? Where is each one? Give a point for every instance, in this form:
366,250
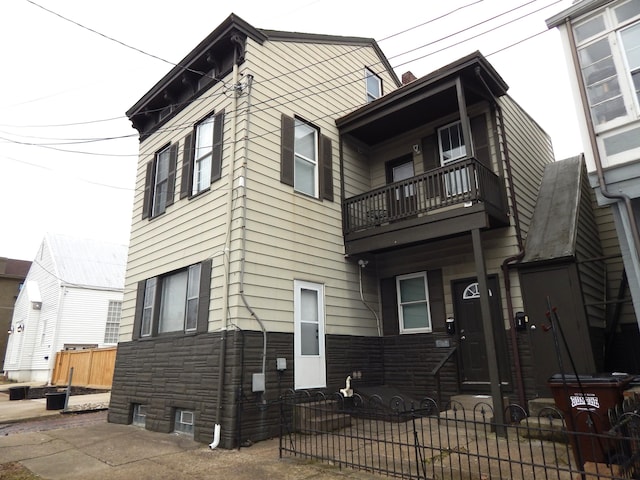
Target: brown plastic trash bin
586,411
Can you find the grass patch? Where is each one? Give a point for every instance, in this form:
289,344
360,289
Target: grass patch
15,471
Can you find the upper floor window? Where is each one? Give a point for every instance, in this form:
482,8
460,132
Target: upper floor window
175,302
202,159
114,312
451,143
608,45
373,85
413,303
306,159
160,182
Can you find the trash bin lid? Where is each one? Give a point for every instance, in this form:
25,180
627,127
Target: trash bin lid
589,379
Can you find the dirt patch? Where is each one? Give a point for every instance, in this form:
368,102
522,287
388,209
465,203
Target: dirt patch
15,471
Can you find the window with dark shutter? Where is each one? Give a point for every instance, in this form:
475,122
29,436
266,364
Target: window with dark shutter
171,179
481,140
174,302
202,157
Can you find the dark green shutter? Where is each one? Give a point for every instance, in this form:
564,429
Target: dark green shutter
171,180
390,321
436,300
287,139
481,140
203,296
137,319
187,166
430,154
148,190
216,155
326,168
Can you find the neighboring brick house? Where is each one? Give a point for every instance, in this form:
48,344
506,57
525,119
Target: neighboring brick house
12,275
300,217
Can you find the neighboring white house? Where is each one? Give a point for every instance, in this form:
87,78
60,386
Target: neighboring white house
72,299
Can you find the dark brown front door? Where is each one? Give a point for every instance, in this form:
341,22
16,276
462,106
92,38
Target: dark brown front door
474,370
402,199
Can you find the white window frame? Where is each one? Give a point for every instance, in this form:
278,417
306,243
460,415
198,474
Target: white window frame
463,146
148,309
456,182
611,32
371,95
193,273
182,423
429,327
139,416
112,326
301,159
161,183
203,155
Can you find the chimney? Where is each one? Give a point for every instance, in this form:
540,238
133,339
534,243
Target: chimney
408,77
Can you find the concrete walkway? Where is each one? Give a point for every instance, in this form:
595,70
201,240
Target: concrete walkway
113,452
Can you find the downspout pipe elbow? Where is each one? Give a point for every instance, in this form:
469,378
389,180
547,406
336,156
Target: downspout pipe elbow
216,437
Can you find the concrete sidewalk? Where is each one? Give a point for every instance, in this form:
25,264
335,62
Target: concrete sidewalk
20,410
113,452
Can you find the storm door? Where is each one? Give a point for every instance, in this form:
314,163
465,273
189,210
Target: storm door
309,346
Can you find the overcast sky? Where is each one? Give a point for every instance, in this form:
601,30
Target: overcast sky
68,153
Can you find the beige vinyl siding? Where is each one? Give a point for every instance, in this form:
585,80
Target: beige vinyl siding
190,230
529,151
291,236
288,236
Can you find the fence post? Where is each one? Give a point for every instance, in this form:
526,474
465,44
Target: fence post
66,397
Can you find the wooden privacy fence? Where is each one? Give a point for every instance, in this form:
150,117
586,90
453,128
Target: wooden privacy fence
91,368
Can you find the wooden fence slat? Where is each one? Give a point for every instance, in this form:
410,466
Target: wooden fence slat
91,368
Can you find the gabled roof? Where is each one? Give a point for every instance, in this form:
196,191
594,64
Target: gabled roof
10,267
87,263
553,230
181,85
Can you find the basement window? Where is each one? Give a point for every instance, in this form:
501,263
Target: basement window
184,422
139,415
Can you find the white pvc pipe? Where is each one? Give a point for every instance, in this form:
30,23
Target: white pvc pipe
216,437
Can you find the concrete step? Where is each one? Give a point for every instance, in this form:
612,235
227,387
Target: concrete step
473,402
538,405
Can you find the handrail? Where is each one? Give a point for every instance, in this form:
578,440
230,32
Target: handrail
436,371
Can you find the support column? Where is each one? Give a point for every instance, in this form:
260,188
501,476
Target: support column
487,326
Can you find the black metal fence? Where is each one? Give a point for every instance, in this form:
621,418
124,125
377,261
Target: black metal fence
419,441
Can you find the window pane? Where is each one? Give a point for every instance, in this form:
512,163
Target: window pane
204,137
305,140
415,315
631,41
172,308
412,290
402,172
372,85
304,176
589,28
310,343
147,312
628,10
194,281
622,142
609,110
192,315
451,143
309,305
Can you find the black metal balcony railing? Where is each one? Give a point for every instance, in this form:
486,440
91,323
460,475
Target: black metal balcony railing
455,184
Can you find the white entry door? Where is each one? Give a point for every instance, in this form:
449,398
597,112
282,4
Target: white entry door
310,370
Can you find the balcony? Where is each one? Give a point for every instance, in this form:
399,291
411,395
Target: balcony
442,202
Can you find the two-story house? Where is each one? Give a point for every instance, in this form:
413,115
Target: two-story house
71,299
301,217
602,47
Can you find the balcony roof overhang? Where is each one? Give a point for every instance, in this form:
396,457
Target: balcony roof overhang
426,99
